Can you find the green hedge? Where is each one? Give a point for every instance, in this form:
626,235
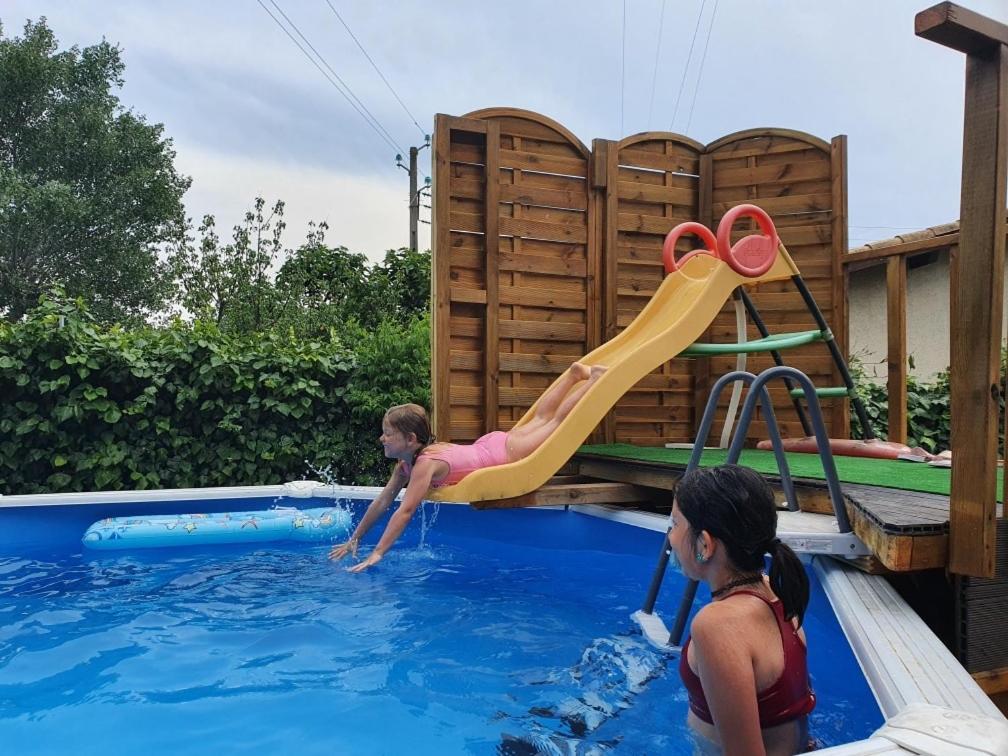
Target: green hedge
928,417
90,408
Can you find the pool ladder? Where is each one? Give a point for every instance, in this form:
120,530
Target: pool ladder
650,623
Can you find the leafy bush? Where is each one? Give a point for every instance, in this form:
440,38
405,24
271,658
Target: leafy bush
393,367
93,408
928,415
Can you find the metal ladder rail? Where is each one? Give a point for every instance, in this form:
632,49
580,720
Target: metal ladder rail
822,437
829,467
705,427
757,390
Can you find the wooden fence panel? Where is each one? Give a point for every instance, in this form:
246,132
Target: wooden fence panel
520,247
562,246
651,184
793,176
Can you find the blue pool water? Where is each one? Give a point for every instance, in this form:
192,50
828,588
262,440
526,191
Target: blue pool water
506,632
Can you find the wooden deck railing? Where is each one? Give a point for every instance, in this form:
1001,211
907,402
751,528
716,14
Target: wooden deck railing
895,254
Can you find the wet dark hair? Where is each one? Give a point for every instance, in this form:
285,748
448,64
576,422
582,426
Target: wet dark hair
735,505
411,418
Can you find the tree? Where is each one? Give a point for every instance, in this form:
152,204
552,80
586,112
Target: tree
231,285
321,287
401,283
88,190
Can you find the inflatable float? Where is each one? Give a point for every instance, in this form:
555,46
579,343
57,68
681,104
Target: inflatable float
154,531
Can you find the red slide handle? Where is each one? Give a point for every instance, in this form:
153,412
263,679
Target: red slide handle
751,255
691,227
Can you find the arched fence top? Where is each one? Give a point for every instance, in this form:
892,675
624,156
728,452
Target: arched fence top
800,136
529,115
660,136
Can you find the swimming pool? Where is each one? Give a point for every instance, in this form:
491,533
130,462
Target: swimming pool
503,632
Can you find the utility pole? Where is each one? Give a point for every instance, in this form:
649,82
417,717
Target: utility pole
414,193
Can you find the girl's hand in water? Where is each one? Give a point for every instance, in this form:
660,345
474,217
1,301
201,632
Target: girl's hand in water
340,551
373,558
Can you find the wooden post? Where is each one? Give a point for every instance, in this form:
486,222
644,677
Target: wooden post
491,317
440,280
838,232
977,282
701,365
605,175
896,355
598,274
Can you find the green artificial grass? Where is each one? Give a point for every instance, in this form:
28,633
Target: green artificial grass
888,473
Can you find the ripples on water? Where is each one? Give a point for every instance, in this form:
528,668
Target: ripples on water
441,649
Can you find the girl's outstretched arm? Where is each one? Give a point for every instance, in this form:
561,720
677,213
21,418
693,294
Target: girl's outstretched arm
419,484
375,510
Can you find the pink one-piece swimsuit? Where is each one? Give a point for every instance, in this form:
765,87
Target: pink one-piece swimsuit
486,451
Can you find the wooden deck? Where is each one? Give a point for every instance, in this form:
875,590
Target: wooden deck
906,530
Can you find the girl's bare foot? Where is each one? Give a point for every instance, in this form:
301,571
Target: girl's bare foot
596,371
580,371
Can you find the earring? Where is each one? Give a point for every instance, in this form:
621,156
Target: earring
700,557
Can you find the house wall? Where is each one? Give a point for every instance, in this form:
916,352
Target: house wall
927,317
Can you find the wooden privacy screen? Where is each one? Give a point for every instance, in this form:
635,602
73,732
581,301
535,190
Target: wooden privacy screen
543,249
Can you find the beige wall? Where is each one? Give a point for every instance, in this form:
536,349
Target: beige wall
927,318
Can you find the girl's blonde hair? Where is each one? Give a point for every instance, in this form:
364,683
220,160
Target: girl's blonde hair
411,418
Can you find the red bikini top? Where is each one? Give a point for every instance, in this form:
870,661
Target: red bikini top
789,698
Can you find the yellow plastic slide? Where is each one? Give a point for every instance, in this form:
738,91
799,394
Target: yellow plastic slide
681,310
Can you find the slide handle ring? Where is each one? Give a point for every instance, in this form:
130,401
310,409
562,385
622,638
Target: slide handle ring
751,255
690,227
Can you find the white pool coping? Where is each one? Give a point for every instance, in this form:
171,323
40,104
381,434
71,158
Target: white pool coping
296,489
913,676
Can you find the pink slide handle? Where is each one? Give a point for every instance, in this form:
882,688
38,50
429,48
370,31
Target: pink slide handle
751,255
691,227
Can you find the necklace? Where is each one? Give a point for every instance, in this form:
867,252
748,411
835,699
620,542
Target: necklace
736,583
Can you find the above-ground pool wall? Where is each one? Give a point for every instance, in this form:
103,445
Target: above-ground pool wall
981,608
544,249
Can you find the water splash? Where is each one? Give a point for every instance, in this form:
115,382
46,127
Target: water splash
426,524
612,671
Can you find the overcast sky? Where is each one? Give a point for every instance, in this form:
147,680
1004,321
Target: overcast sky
249,114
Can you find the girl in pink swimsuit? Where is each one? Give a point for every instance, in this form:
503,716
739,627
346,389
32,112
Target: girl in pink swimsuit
423,464
744,666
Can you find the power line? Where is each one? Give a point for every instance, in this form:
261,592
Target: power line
622,89
654,76
375,66
703,60
322,71
354,101
346,86
689,57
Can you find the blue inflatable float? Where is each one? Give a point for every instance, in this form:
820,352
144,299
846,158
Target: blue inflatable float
283,524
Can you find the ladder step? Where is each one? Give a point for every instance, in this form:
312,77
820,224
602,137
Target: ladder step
772,343
832,391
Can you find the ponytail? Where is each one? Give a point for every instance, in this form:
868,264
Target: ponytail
788,580
735,505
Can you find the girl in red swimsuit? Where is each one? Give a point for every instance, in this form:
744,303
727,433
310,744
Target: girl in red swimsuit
744,666
423,464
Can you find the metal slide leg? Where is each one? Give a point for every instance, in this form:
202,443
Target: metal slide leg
740,364
778,360
841,363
